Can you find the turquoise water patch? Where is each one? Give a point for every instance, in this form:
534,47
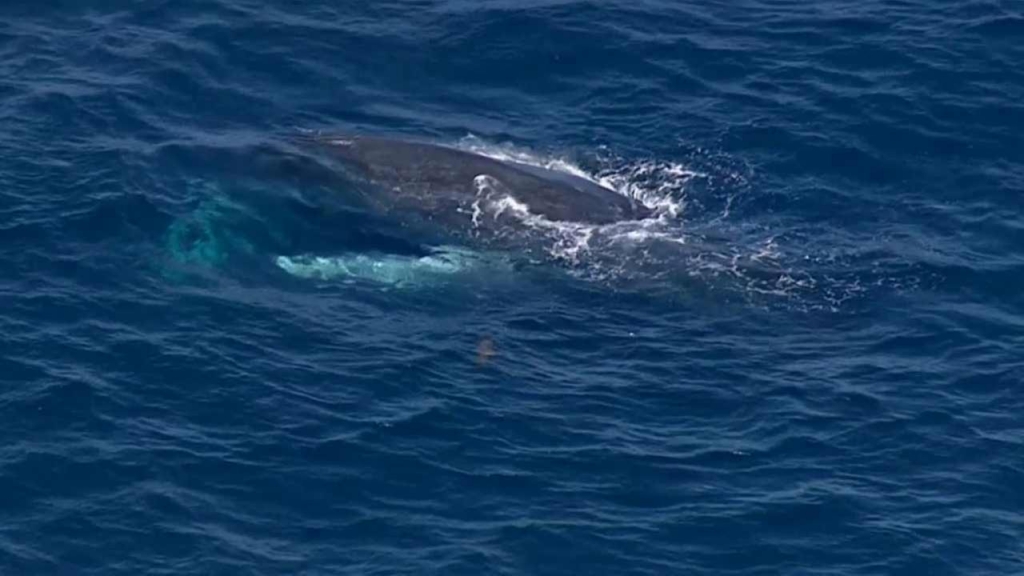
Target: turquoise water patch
205,237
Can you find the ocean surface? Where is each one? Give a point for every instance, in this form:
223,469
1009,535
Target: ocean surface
809,360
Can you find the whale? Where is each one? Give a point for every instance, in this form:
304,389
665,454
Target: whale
479,201
466,211
454,186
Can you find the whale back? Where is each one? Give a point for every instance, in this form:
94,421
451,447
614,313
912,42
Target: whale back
444,182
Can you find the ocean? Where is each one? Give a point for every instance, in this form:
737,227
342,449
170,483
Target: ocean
808,360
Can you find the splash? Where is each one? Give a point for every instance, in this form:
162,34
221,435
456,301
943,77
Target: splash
568,239
660,186
656,185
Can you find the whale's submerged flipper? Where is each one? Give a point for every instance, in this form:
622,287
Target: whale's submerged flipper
385,268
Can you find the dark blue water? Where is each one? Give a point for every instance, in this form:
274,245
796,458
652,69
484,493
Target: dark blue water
811,363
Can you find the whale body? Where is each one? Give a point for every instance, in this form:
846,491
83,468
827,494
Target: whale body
447,212
475,199
448,185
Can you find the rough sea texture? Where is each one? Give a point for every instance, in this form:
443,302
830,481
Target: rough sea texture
812,363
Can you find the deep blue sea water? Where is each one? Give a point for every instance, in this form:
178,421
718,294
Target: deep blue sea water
810,363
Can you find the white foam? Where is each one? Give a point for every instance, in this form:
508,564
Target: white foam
569,239
654,184
768,250
659,186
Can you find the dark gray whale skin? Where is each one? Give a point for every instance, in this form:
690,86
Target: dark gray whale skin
440,182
